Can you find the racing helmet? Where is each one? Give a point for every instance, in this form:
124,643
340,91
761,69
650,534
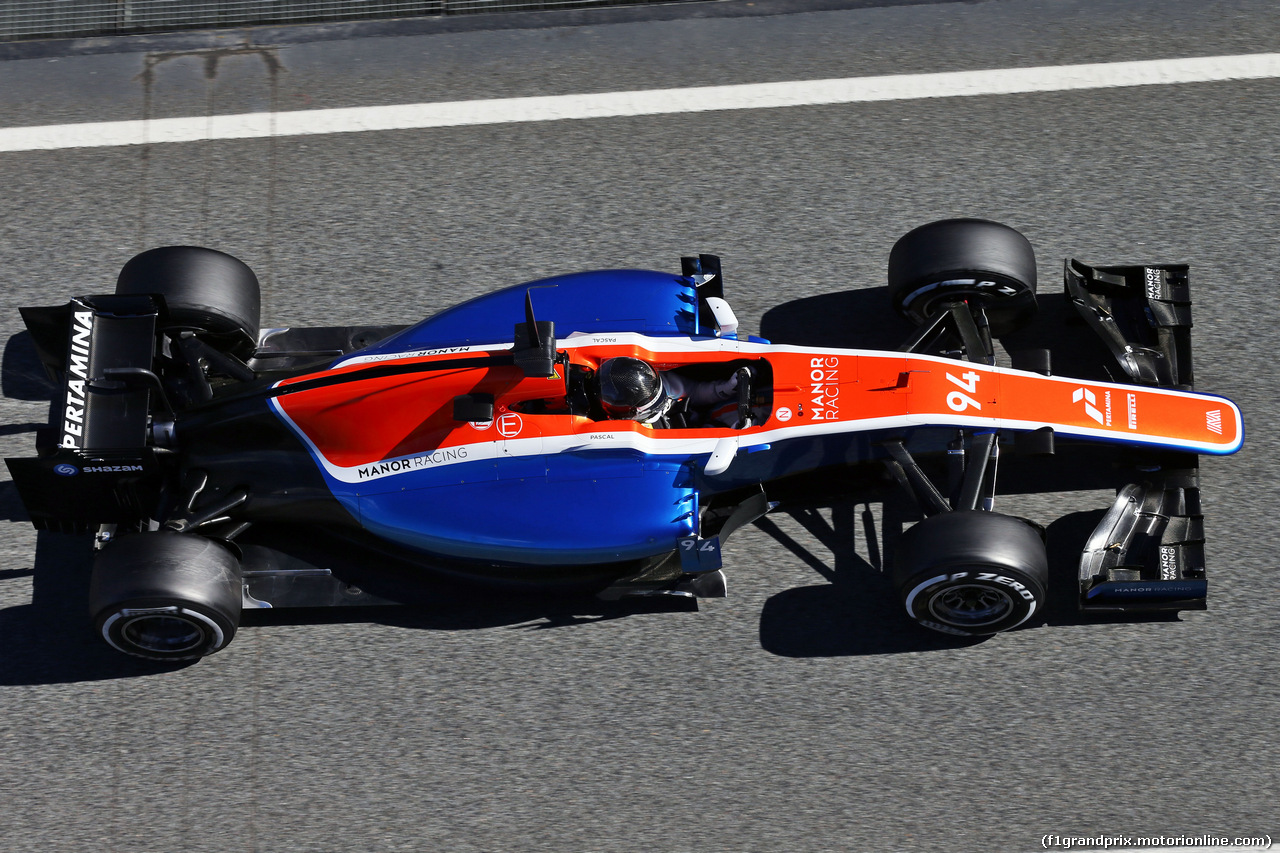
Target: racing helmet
630,389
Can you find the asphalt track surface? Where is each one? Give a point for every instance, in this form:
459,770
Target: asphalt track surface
801,713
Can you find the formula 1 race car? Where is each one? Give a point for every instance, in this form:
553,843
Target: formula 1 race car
223,467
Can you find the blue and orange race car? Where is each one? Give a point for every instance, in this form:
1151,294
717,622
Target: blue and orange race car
603,430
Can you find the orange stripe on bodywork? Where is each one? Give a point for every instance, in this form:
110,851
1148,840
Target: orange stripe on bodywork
370,420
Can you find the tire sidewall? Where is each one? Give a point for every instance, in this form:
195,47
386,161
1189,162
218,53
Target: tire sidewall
922,597
216,629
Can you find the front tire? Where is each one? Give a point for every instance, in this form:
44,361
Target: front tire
971,573
964,259
166,596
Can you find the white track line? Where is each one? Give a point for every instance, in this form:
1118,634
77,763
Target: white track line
749,96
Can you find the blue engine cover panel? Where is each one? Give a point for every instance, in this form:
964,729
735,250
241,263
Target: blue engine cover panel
566,514
654,303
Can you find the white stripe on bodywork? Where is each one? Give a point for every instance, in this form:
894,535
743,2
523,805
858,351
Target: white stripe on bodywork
421,353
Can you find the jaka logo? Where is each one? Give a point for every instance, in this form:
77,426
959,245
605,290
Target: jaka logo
1090,403
1213,420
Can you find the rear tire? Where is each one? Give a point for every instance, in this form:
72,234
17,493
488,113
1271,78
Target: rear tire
204,290
971,573
166,596
964,259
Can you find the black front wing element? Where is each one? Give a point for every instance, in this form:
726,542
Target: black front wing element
1147,553
1143,314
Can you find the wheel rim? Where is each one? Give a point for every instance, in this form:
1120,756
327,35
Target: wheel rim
164,634
970,605
930,299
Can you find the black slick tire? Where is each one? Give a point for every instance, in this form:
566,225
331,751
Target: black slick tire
971,573
165,596
964,259
203,290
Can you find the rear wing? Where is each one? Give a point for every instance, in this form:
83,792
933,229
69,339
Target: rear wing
94,347
94,465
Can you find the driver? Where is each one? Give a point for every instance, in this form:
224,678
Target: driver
631,389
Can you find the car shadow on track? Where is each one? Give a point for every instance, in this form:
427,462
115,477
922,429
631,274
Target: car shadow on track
469,608
856,612
51,640
23,377
852,318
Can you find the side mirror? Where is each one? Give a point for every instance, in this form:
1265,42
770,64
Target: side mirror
721,457
726,322
535,343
